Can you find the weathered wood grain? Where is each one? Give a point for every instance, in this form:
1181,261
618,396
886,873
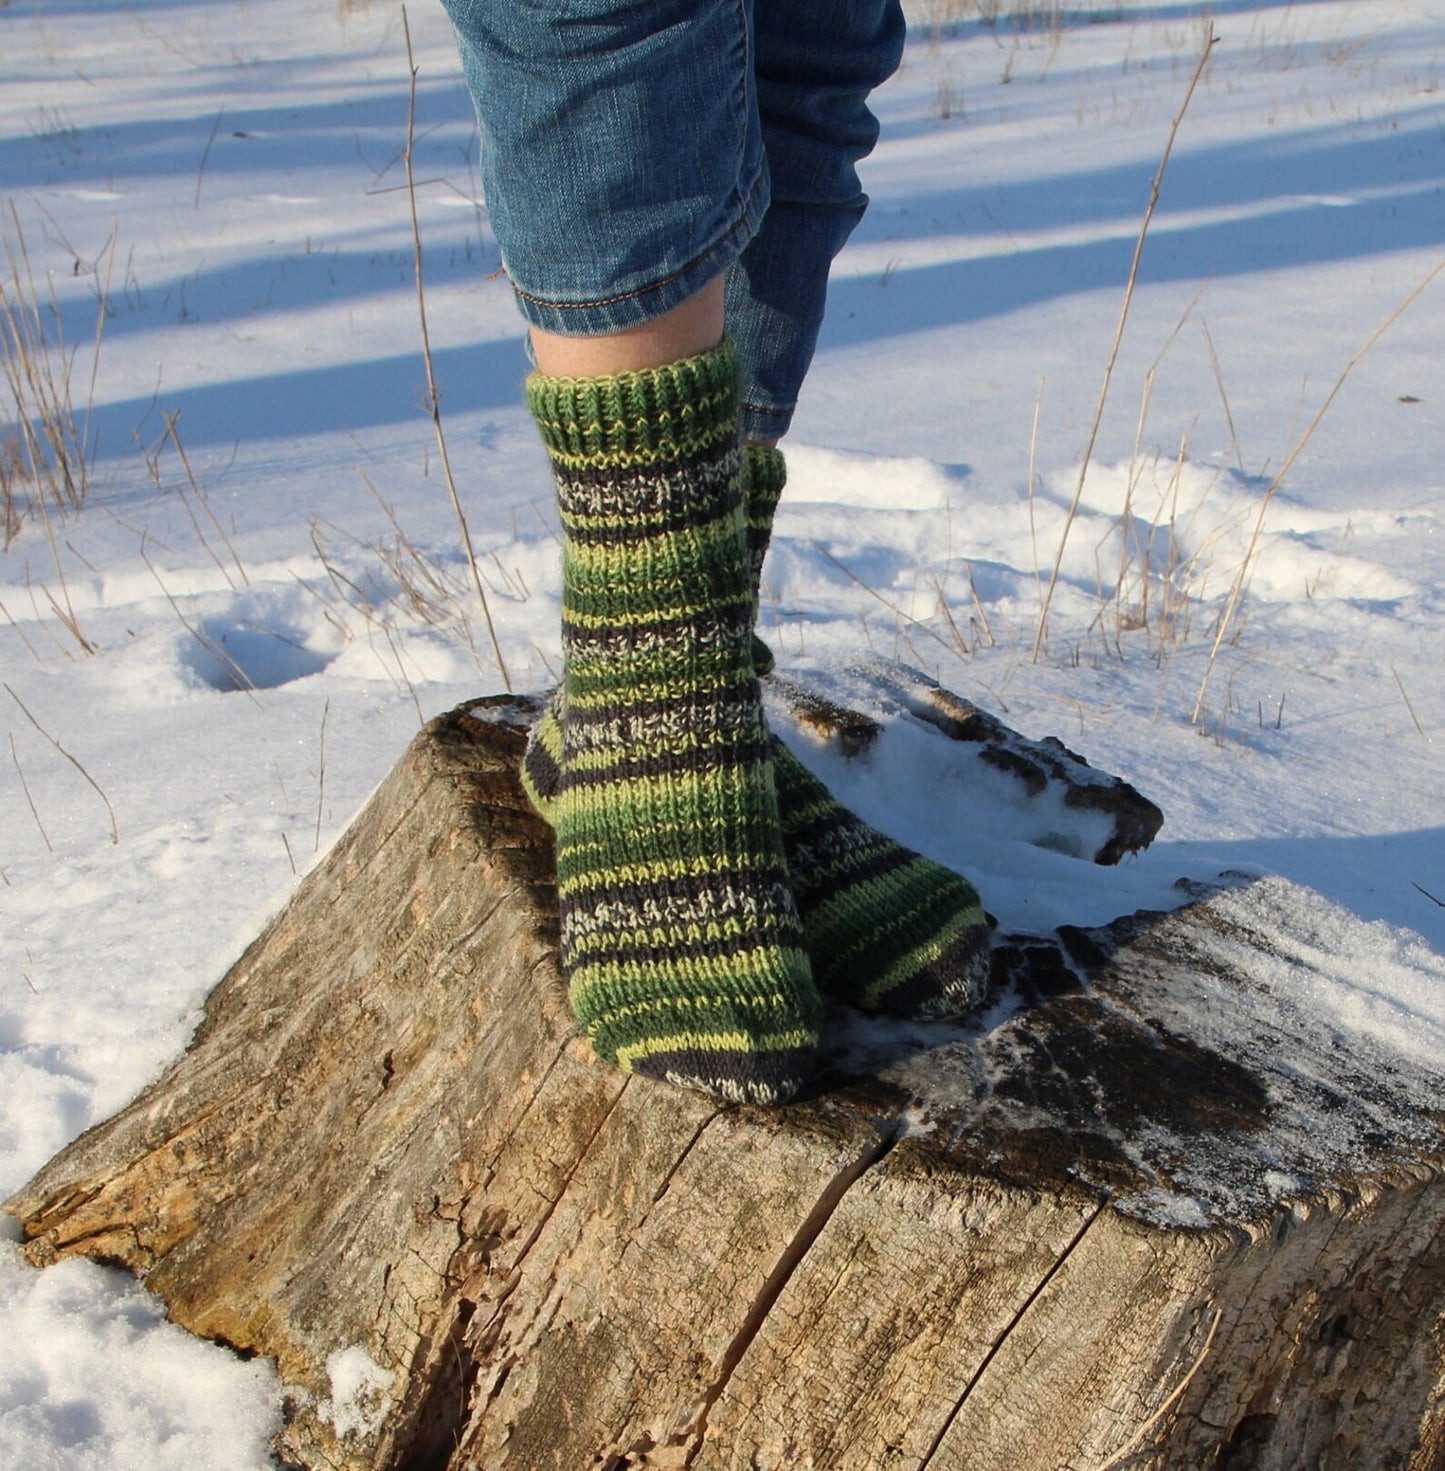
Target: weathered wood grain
1148,1212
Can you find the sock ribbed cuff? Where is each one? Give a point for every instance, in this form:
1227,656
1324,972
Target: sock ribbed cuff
638,418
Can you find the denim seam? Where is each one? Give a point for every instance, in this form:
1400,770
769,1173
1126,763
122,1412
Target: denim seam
772,413
749,115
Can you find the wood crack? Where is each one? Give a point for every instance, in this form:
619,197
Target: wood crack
677,1164
997,1346
514,1277
525,1112
788,1262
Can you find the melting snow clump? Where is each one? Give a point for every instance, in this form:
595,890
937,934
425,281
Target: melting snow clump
359,1386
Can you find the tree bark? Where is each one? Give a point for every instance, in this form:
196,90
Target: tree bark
1162,1219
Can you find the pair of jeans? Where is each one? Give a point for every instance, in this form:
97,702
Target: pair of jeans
633,150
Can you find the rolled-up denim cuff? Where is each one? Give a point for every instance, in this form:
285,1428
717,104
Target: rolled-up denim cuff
649,299
762,423
621,152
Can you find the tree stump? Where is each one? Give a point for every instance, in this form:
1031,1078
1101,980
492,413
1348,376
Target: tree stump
1148,1212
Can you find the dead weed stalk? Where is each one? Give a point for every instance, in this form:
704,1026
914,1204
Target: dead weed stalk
45,445
433,394
1041,634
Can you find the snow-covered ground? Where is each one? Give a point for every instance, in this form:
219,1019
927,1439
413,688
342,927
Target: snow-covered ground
209,666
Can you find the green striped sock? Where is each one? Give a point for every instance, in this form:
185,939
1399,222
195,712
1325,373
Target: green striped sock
765,472
763,475
682,947
887,929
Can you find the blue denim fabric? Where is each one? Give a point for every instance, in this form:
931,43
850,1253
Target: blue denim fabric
632,150
817,61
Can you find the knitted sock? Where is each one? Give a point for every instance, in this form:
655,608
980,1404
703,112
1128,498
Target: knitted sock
763,477
765,472
887,929
682,947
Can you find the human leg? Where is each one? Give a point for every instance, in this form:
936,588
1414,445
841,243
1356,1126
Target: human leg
887,929
692,327
682,947
683,950
817,62
819,72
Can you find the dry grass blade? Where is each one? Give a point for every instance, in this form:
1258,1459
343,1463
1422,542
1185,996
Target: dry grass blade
103,300
1131,1451
238,675
429,591
1241,577
321,774
25,710
978,607
174,435
433,396
1033,486
20,632
893,608
25,787
960,643
424,587
43,451
66,613
205,156
1210,41
1400,685
1224,400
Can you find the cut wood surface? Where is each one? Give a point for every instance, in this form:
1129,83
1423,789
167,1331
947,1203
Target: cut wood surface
1150,1211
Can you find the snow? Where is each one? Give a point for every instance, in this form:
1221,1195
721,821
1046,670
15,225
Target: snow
272,613
92,1376
358,1392
1339,1023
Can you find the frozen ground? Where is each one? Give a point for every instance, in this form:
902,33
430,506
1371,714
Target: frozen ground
208,668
